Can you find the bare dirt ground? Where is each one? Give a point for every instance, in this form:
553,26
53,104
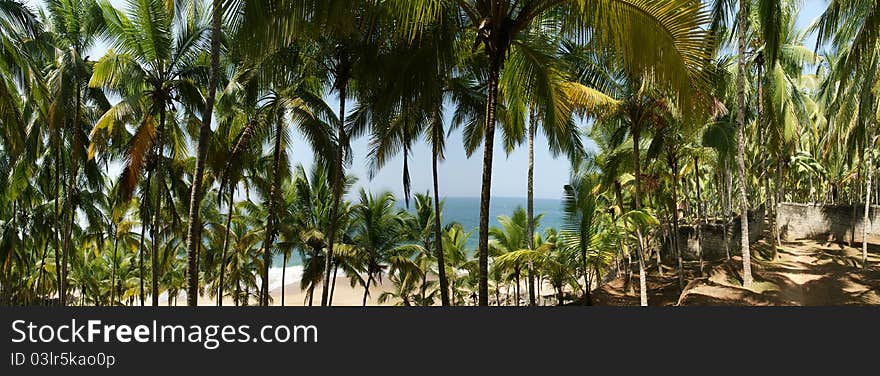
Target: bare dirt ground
805,273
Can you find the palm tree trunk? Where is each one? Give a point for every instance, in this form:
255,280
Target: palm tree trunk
438,236
700,213
237,291
283,277
195,199
141,245
531,206
675,221
728,188
42,268
516,289
643,287
56,238
68,228
740,157
486,191
225,245
628,281
338,181
333,286
643,294
271,217
70,211
870,172
852,193
158,214
367,288
113,271
636,135
588,298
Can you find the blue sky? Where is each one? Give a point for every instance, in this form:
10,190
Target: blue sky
461,176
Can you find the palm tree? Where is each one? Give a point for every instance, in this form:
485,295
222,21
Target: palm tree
378,233
852,27
581,205
500,26
75,28
194,225
154,60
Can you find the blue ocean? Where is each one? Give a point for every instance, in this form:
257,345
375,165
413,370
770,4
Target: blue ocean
466,210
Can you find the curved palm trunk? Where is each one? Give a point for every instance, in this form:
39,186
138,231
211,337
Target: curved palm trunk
367,288
195,199
225,246
154,255
486,191
740,156
531,208
438,236
338,175
270,219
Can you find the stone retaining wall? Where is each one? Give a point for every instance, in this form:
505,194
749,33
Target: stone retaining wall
713,238
834,223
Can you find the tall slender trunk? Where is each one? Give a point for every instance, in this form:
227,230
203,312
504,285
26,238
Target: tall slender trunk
283,277
516,289
338,181
643,294
486,191
141,241
42,268
675,221
740,157
438,236
56,238
852,228
271,217
588,298
728,194
869,149
700,213
70,211
225,245
158,214
777,199
195,198
628,281
333,284
636,135
531,207
235,298
113,271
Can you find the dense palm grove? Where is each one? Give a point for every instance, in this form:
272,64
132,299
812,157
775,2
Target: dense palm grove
161,168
